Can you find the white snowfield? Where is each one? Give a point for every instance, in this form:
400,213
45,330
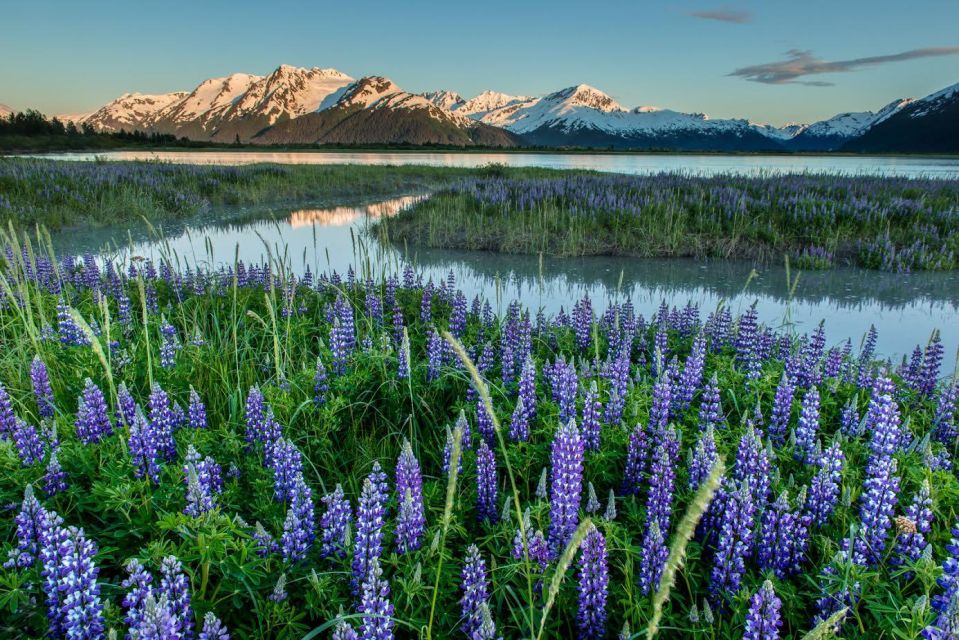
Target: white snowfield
289,92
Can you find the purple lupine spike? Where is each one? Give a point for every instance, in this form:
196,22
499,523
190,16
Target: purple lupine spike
69,331
403,358
782,408
196,412
169,344
144,448
29,521
653,556
527,387
519,422
735,541
42,391
826,485
593,585
583,323
807,431
877,507
484,424
74,608
692,376
753,466
448,454
411,519
93,421
8,420
126,406
662,479
213,629
944,418
932,361
287,465
662,398
175,586
747,343
264,542
763,619
334,524
564,380
434,355
162,423
298,528
782,538
702,458
199,497
370,518
27,442
849,423
591,416
486,484
138,585
54,479
458,317
566,488
710,409
914,526
618,388
338,348
946,604
426,305
375,609
637,453
475,588
399,324
883,419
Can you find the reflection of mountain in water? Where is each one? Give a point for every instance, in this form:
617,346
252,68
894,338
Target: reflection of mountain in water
340,216
847,288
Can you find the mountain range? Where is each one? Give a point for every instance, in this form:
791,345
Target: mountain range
293,105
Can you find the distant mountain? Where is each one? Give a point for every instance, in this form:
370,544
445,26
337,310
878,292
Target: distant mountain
930,125
325,106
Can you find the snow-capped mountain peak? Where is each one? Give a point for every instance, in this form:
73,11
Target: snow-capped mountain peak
583,95
448,100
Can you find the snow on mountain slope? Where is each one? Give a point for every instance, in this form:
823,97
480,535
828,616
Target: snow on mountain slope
210,95
132,111
448,100
934,101
377,92
479,106
288,92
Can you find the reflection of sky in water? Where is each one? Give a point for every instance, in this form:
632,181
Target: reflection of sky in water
697,164
904,308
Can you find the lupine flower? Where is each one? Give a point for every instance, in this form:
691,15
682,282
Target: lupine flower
196,412
376,611
808,430
70,576
42,390
320,383
932,360
519,422
753,466
265,544
475,588
883,419
175,586
287,464
411,519
126,406
527,387
69,331
448,454
370,516
563,382
199,499
279,593
298,532
783,537
692,376
144,448
710,410
590,422
702,458
746,343
763,619
917,523
877,507
735,540
946,604
54,480
653,556
849,423
434,355
486,484
213,629
8,420
637,452
403,357
826,484
567,486
30,521
782,407
484,424
944,419
592,500
28,444
334,523
618,387
593,583
162,423
662,478
93,421
169,345
138,586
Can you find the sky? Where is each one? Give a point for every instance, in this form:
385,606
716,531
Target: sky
771,61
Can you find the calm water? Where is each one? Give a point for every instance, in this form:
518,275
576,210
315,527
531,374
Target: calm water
707,164
904,308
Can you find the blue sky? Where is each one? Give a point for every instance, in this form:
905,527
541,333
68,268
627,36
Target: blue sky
65,57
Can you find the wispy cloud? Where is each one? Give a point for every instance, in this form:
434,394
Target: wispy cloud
724,15
800,63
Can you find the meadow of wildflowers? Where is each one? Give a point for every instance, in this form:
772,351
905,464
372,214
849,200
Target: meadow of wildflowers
893,224
243,453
